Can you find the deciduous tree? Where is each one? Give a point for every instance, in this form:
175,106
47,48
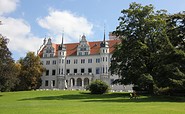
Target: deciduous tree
146,57
31,72
8,69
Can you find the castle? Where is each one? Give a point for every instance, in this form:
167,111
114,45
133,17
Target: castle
76,65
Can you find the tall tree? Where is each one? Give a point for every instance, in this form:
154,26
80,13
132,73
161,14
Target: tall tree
31,72
144,47
8,69
176,30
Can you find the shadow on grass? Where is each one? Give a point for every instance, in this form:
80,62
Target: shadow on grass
1,95
113,97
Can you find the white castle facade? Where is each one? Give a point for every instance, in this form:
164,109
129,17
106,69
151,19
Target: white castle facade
76,65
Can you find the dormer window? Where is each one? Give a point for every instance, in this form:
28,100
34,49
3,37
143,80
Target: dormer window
49,50
80,53
83,47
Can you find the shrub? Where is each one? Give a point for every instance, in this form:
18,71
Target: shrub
98,87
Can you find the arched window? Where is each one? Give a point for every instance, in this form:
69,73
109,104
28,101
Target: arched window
72,82
86,82
79,82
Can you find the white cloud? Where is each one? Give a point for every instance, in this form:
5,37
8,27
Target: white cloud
19,33
7,6
72,25
21,40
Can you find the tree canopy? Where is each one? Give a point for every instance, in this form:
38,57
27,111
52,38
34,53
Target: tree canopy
31,72
149,55
8,69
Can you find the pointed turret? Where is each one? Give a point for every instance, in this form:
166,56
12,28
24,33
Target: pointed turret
49,42
44,41
104,43
62,46
104,36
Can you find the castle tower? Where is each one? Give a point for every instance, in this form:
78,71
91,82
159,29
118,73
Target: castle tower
62,65
105,62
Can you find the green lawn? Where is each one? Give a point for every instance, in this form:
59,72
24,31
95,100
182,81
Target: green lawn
76,102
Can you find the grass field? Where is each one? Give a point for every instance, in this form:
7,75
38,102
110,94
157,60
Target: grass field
76,102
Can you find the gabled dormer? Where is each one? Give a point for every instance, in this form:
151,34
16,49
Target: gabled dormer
48,50
83,48
42,46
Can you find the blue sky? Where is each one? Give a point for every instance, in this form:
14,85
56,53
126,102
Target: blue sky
27,22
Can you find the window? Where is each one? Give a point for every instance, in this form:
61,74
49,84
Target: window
106,59
83,49
89,60
47,62
53,81
59,71
51,55
47,72
46,83
53,72
75,70
89,70
75,61
82,60
59,61
103,58
68,61
68,71
54,62
82,70
62,71
97,70
86,53
62,61
98,60
80,53
103,70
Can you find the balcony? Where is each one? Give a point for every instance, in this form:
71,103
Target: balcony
79,74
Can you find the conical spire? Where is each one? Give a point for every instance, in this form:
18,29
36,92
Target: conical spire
104,35
62,39
62,46
44,41
103,43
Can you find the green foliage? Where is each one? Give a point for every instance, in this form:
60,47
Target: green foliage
98,87
148,54
176,30
8,69
31,72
